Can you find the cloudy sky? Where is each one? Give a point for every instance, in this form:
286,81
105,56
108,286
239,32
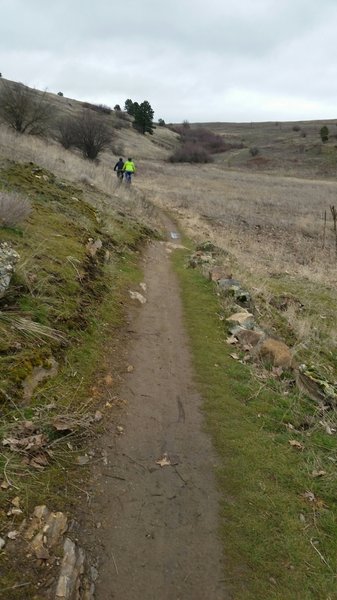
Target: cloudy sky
200,60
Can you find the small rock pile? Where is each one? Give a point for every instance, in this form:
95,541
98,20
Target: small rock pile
61,562
245,332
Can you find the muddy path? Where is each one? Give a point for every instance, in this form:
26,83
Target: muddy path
158,525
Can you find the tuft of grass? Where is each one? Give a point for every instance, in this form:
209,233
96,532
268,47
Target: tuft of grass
278,544
13,209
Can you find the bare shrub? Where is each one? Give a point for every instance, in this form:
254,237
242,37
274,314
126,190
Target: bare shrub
24,109
190,152
253,151
87,132
65,133
118,149
86,180
101,108
13,209
296,128
198,143
212,142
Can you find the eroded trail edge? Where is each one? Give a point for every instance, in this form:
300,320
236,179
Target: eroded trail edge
159,524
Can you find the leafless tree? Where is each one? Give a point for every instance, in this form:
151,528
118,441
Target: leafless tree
24,109
89,132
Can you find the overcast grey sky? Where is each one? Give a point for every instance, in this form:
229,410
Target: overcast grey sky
200,60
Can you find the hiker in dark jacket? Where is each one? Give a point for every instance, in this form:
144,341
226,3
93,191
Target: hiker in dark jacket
119,168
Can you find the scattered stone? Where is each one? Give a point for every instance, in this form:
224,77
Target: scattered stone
143,286
12,535
249,337
38,547
242,296
98,416
200,258
275,352
229,285
82,460
16,502
8,260
217,273
244,319
38,375
2,543
56,526
137,296
93,247
72,569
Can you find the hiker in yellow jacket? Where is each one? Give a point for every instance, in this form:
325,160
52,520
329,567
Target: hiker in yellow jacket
128,169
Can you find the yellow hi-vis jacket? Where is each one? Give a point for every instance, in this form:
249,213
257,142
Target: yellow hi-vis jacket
129,165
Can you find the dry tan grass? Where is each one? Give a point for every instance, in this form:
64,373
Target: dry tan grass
270,224
96,176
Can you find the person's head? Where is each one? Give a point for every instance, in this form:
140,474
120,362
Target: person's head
130,159
120,159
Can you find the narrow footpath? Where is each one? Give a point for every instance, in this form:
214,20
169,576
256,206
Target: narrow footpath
159,522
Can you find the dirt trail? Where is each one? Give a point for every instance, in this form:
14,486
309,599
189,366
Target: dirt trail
159,530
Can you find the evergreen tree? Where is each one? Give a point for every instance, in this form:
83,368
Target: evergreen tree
143,115
129,106
324,133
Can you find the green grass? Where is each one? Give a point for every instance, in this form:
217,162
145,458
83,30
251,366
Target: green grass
57,284
272,535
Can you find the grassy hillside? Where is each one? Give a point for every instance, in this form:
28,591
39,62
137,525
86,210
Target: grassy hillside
293,148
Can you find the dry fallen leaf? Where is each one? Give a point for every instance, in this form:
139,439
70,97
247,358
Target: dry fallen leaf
108,380
296,444
164,461
63,423
39,462
16,501
82,460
